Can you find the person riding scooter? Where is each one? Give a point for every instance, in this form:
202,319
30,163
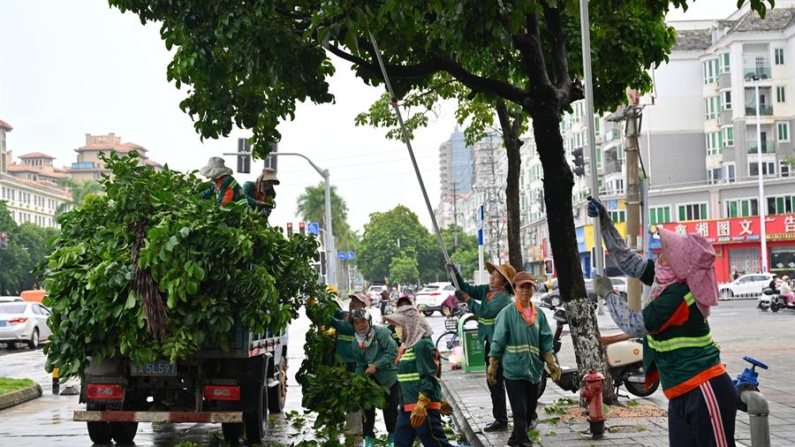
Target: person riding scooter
773,286
785,290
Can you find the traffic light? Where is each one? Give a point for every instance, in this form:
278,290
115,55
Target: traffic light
244,156
579,162
549,267
3,241
302,227
322,262
289,229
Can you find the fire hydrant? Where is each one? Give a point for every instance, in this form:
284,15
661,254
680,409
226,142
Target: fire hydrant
592,393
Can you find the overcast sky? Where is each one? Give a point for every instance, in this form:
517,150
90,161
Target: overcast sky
71,67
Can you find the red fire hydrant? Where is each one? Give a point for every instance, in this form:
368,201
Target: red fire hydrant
592,393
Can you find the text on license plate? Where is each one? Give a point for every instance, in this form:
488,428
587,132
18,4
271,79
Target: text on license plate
153,369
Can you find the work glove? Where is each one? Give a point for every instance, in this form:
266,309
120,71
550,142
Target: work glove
419,413
491,373
602,286
451,267
446,408
330,332
552,365
596,209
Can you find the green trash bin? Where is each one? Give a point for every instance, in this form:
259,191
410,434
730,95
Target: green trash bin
473,350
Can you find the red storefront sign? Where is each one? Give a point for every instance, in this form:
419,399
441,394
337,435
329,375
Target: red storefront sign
779,227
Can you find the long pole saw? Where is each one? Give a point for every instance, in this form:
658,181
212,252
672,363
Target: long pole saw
411,154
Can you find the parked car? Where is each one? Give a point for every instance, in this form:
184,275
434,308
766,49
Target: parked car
747,285
431,297
553,300
23,322
374,293
10,299
620,285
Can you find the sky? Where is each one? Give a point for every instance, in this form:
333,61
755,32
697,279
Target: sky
72,67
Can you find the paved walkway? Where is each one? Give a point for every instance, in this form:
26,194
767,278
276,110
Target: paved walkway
468,394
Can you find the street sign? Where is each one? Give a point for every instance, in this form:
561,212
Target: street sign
341,255
351,256
313,228
358,280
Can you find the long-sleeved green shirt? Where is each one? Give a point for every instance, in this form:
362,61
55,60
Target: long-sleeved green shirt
345,336
485,305
381,353
521,346
418,371
256,201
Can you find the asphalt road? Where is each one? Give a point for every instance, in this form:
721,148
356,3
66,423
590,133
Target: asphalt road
737,326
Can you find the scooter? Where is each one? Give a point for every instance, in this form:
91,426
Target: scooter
624,360
774,301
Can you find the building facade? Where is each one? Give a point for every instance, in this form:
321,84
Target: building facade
90,167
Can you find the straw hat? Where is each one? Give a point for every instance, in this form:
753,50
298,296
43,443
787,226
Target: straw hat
215,168
268,175
506,270
360,297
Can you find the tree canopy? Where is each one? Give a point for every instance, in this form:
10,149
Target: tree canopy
27,248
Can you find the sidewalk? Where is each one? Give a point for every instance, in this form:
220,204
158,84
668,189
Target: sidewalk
469,396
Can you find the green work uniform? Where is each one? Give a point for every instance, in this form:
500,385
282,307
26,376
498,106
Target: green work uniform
382,353
225,190
419,371
345,333
486,308
521,346
256,200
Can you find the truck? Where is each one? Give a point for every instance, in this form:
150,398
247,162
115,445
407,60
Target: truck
236,387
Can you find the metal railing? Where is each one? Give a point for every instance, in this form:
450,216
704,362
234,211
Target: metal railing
767,148
763,111
762,72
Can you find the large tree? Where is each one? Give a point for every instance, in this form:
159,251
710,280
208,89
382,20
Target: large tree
249,63
311,207
79,191
26,249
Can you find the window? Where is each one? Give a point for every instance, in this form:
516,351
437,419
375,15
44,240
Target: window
725,65
618,216
784,168
712,107
715,175
726,98
599,157
780,205
659,214
710,69
728,136
714,143
693,211
768,168
781,94
597,126
741,208
782,132
731,173
620,152
779,56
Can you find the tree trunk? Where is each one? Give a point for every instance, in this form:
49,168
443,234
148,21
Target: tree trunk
511,124
558,184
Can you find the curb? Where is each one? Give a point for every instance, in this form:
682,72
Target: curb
20,396
461,420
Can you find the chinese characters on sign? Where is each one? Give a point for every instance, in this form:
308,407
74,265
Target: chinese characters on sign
741,229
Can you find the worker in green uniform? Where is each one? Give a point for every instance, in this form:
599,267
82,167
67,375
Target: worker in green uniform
375,352
521,343
485,302
418,374
225,189
261,194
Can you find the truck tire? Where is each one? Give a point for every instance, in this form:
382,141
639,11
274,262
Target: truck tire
254,390
99,432
123,432
277,395
232,432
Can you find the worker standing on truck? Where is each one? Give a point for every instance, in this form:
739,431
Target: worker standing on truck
486,302
226,188
261,194
375,352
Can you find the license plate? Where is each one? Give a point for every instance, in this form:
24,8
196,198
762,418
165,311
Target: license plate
161,368
3,323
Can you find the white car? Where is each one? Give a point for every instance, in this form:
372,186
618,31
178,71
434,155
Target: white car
620,285
431,297
374,293
23,322
746,285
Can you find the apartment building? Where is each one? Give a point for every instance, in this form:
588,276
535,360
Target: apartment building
90,167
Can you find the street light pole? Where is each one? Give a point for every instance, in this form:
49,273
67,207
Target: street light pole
761,205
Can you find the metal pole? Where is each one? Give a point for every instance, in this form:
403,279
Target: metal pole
411,154
633,198
481,266
331,258
586,63
762,203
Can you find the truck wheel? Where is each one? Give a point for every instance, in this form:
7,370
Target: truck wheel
255,420
123,432
427,313
99,432
277,395
232,432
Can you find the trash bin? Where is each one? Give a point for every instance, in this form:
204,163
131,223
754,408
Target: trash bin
473,350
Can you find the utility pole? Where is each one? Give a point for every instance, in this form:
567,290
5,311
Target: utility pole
455,218
632,153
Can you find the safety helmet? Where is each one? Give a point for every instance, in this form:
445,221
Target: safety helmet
332,290
361,314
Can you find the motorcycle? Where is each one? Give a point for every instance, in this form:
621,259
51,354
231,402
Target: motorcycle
624,360
773,301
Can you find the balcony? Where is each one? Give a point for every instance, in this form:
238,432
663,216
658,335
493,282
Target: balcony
767,148
762,72
763,111
85,165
